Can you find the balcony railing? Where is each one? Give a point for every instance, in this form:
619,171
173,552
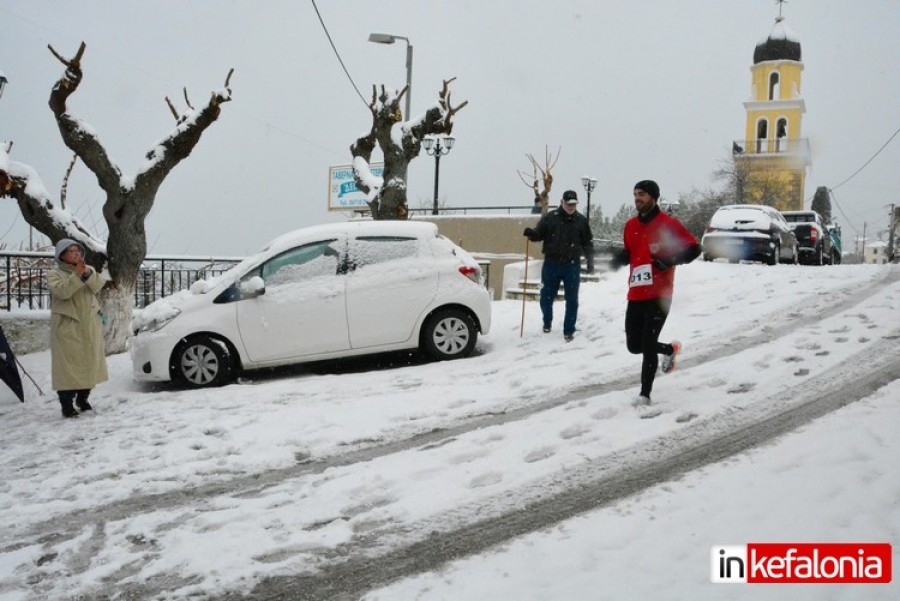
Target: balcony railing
773,146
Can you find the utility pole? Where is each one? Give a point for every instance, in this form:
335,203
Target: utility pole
863,253
891,227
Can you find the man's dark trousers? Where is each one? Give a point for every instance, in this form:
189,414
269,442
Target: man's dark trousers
552,274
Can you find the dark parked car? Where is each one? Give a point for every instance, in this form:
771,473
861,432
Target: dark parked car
749,233
819,244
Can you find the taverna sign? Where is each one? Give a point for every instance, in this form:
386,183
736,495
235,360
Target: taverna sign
343,195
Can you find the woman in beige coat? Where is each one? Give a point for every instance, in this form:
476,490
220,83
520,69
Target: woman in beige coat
76,337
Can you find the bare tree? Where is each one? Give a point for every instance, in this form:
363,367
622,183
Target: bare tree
546,178
128,199
751,181
387,195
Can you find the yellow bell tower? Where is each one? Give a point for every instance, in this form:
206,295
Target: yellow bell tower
773,158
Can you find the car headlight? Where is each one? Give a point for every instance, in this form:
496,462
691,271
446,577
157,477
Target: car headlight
158,322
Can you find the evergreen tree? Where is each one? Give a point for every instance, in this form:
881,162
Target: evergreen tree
821,203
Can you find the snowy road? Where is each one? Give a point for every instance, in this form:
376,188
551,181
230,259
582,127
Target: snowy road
393,493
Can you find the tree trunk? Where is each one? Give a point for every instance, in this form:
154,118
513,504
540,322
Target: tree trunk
118,303
128,200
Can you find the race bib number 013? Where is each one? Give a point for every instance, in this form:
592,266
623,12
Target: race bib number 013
642,275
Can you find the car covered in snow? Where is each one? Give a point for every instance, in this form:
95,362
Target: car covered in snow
749,233
324,292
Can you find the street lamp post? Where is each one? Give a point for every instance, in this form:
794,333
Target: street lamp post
433,147
387,38
3,81
589,184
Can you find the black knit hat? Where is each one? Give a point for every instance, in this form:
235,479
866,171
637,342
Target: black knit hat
649,186
570,197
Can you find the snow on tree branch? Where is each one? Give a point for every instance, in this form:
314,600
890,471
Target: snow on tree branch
400,142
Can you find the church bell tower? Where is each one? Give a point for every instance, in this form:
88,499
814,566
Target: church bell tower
773,158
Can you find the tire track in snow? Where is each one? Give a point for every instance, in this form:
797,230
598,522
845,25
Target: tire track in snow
71,524
360,567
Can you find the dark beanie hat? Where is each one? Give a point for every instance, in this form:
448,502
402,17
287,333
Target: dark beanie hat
649,186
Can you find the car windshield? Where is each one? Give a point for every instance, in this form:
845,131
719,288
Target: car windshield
741,218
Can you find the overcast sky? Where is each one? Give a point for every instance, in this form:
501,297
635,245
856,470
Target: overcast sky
628,90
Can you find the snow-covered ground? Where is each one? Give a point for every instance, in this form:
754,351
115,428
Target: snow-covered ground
203,492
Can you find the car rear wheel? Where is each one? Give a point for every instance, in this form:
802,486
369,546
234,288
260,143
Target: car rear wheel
202,362
449,334
776,256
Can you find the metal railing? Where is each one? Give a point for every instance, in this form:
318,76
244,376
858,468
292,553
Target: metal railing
508,209
23,285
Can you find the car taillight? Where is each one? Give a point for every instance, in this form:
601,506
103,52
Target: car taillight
470,272
813,234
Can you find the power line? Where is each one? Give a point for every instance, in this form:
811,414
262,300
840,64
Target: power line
337,54
834,198
855,173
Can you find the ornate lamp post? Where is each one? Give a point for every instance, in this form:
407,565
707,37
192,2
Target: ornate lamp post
387,38
433,147
589,184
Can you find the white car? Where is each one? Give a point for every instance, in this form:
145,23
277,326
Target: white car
322,292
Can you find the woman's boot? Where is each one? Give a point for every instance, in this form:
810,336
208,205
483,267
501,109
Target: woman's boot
65,399
81,400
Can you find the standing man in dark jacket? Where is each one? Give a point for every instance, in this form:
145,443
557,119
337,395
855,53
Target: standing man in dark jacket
566,235
654,244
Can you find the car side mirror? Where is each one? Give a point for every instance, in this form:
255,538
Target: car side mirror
253,287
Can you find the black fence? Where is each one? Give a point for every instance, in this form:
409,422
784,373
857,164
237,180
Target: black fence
23,285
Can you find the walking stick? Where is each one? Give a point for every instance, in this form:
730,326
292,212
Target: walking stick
24,371
524,286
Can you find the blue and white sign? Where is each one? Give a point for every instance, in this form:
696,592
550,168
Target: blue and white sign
343,195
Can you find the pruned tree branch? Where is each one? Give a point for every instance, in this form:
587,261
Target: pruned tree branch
78,138
389,200
65,184
449,110
546,177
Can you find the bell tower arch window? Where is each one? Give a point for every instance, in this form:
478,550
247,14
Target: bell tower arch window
762,135
774,85
781,134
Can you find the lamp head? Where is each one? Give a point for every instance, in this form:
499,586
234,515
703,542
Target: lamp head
382,38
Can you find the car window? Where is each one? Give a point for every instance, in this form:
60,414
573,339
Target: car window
301,263
376,250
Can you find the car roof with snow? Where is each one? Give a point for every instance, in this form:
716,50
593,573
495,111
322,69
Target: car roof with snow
415,229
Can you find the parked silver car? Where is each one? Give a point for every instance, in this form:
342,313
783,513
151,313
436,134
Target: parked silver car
749,233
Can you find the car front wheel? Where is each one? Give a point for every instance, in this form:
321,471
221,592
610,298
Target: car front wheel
202,362
449,334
